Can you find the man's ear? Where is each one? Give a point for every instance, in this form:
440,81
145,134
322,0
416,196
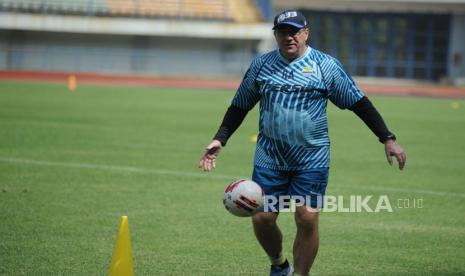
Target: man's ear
308,35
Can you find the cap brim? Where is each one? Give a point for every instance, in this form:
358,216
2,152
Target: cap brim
290,24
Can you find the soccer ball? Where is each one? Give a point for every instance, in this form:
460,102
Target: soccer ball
243,198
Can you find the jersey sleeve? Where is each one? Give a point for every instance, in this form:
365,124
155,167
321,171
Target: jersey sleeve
342,90
247,95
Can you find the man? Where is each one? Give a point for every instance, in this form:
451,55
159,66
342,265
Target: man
293,85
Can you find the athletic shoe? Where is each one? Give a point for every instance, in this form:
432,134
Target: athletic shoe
281,270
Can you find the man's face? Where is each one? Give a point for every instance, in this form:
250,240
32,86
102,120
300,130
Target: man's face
291,41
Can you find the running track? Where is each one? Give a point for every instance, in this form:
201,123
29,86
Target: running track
426,90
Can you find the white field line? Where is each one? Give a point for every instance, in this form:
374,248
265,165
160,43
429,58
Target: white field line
417,191
108,168
200,174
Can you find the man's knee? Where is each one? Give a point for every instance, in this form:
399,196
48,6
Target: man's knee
265,218
306,219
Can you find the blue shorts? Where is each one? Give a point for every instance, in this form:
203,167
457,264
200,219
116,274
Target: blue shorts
309,185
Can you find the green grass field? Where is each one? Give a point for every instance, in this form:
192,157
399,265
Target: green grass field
71,164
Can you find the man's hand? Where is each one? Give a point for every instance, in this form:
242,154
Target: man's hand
208,160
393,149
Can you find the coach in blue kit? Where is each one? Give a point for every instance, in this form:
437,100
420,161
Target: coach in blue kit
293,85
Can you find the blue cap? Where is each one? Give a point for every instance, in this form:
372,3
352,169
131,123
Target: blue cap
290,17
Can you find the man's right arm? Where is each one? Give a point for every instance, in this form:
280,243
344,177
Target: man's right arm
232,120
246,97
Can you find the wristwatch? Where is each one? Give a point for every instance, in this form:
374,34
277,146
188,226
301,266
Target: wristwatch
389,137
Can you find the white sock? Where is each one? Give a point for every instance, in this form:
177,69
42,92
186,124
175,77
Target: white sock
278,260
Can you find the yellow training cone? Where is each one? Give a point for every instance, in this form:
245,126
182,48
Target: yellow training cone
72,83
121,264
455,105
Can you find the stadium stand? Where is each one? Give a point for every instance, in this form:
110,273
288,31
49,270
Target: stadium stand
208,9
70,6
241,11
121,7
159,8
85,7
205,38
244,11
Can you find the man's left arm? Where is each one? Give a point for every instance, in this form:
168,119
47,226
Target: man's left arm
368,113
344,93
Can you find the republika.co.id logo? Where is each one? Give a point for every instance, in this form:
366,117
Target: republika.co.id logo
340,204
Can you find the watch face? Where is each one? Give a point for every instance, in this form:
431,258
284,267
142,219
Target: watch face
391,137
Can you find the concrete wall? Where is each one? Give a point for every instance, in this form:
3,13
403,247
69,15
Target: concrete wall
169,56
133,26
457,50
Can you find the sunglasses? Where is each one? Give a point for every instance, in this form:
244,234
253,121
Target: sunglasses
290,32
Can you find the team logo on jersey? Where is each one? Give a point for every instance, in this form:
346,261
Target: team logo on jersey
307,71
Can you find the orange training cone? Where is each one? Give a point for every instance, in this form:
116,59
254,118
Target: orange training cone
72,83
121,263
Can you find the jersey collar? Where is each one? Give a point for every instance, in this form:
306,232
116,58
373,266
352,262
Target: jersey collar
285,60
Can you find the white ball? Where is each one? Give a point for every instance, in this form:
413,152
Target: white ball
243,198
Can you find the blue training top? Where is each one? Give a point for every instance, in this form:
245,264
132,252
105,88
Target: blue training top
293,127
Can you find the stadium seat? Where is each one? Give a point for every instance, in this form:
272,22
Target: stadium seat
99,7
215,9
29,5
208,9
244,11
159,8
9,4
122,7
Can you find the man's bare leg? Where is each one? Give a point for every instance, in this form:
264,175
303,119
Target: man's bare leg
268,234
306,239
